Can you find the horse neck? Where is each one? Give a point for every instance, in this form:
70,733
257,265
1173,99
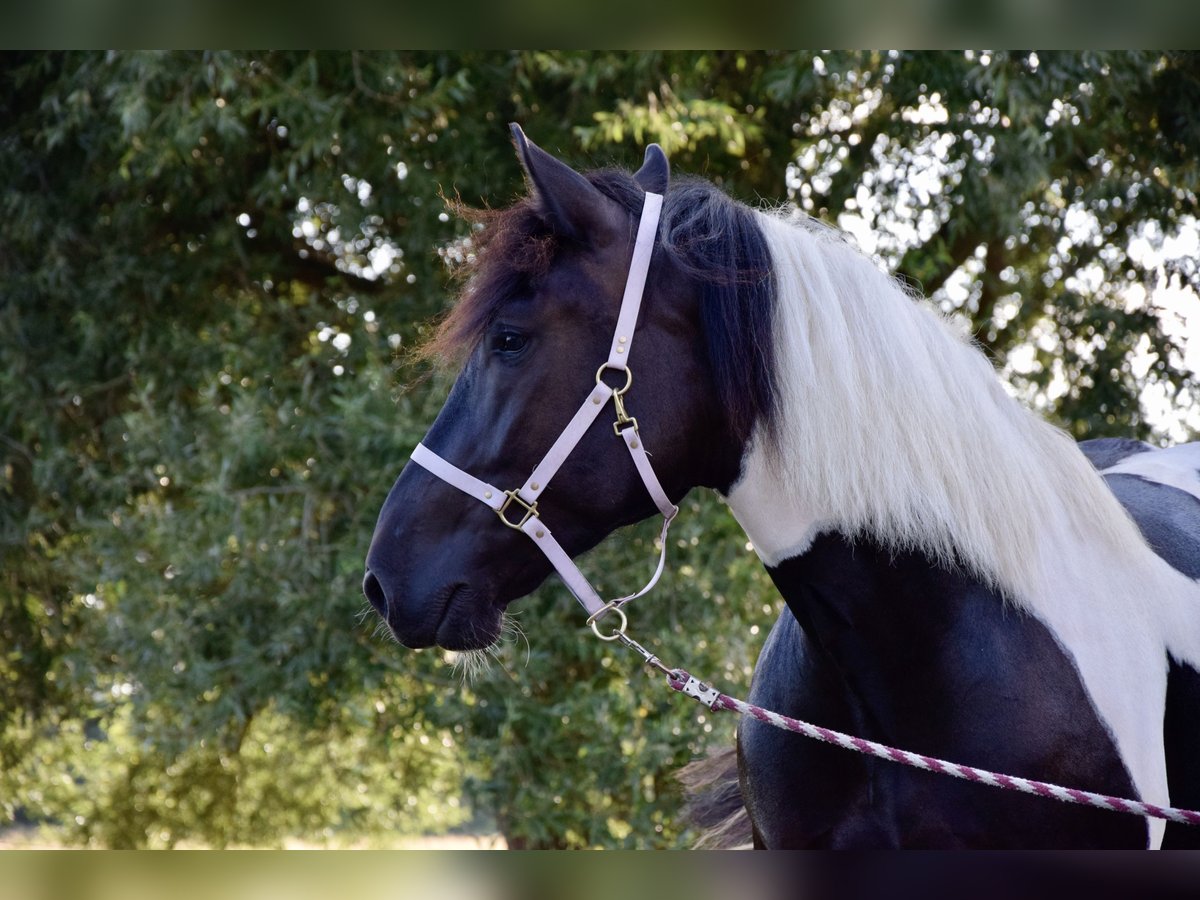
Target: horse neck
893,431
1096,621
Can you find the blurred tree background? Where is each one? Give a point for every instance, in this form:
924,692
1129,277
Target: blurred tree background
212,266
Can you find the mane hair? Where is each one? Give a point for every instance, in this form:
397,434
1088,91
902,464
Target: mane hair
712,239
897,426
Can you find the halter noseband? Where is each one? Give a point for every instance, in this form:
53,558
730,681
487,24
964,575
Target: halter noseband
518,508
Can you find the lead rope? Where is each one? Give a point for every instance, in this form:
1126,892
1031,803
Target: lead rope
681,681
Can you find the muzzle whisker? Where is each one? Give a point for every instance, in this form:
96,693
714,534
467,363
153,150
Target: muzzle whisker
511,630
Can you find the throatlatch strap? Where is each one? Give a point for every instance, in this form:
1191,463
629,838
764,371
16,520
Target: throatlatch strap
637,450
662,561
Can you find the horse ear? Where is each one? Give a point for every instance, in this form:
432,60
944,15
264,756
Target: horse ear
655,171
572,206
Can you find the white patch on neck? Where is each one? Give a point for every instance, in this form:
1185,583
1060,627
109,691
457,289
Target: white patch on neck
777,526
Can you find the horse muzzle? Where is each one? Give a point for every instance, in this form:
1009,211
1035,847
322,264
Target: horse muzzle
454,616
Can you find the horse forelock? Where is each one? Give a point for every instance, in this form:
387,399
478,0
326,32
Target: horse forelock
708,237
507,250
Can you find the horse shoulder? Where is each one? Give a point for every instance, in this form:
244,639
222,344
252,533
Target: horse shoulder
943,667
799,792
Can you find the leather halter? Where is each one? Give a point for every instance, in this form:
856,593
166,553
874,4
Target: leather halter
518,508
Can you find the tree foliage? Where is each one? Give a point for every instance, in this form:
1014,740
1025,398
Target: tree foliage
212,266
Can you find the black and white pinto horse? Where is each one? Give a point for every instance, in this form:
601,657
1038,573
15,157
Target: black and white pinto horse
961,579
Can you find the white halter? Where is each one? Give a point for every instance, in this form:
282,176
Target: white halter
626,427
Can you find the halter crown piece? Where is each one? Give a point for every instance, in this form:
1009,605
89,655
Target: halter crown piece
518,508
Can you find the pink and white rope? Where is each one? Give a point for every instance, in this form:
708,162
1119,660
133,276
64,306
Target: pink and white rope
715,700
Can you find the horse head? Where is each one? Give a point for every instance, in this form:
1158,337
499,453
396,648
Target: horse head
534,323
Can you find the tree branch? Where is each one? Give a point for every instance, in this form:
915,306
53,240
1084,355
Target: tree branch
959,250
317,269
989,293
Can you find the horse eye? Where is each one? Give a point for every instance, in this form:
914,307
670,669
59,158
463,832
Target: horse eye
510,342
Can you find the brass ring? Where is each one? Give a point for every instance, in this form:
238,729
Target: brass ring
601,612
617,632
628,377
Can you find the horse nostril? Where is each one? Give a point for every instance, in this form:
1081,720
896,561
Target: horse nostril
374,591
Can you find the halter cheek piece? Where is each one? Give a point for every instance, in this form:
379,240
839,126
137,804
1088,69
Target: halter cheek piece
518,509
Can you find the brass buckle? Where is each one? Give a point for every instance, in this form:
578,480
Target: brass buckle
623,418
531,510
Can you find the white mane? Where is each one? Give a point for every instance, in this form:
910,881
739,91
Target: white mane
892,424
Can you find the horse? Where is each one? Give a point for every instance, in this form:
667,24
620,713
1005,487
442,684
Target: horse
961,579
